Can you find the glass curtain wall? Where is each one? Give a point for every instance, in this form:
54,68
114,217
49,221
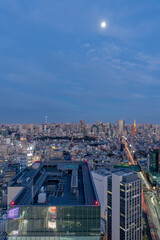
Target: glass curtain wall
73,222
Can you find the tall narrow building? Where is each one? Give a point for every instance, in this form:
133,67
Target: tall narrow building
120,195
82,126
124,206
120,126
100,178
155,160
135,126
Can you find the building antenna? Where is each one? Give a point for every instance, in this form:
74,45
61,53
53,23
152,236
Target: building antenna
46,119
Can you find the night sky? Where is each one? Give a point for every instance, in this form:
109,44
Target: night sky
56,60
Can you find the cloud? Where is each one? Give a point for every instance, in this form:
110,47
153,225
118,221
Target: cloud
137,96
55,56
152,62
86,45
92,50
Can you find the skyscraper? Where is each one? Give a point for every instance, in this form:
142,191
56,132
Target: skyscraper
155,160
40,128
120,126
82,126
154,166
121,208
32,128
124,206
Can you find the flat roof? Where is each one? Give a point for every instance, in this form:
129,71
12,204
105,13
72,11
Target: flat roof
55,183
102,172
128,175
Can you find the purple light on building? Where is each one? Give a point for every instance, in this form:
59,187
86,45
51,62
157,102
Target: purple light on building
13,213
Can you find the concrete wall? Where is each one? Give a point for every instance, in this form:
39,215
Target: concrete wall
12,192
116,206
100,182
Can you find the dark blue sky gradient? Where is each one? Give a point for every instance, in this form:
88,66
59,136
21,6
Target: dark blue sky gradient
55,60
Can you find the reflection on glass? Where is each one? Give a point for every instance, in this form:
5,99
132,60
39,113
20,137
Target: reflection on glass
55,221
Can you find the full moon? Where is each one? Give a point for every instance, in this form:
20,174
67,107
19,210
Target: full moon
103,24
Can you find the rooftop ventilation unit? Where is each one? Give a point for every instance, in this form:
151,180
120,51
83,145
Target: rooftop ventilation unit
41,197
74,181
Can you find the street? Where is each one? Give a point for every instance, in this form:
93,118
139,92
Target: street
149,200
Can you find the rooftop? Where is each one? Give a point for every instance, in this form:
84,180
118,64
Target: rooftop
128,175
102,172
55,183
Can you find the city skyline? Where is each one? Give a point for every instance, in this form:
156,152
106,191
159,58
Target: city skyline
80,181
77,122
56,60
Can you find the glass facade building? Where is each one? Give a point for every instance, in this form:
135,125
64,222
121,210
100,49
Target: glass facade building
54,223
154,166
124,206
155,160
56,200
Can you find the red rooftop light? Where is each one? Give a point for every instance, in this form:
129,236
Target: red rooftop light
96,202
13,203
85,160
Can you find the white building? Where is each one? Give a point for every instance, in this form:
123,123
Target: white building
100,178
120,195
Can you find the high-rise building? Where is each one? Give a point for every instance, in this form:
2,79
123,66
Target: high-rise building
94,129
4,133
100,127
32,128
120,126
40,128
154,166
82,126
107,125
53,201
124,218
154,161
121,208
68,129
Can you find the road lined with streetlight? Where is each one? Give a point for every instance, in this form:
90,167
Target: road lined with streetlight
151,205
